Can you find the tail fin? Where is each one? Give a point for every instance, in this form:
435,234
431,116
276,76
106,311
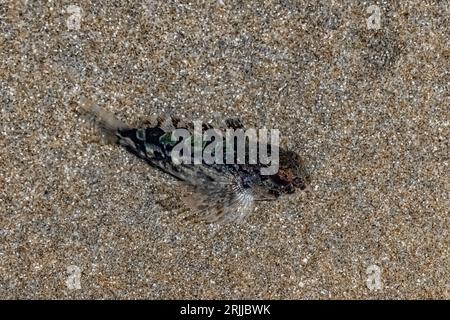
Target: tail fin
104,120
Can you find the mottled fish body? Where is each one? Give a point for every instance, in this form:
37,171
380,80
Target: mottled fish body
221,191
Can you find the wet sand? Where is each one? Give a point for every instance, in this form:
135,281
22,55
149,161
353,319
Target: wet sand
367,107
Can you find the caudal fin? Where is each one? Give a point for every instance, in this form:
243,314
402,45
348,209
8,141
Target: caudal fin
104,120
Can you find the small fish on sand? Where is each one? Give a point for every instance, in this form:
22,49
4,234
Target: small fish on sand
220,191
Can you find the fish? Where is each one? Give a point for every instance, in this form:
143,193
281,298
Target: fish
218,192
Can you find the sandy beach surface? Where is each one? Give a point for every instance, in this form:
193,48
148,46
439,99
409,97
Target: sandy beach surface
364,100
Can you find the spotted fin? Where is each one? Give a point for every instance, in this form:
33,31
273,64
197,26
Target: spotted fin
224,199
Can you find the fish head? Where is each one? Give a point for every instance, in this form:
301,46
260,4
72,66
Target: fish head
292,174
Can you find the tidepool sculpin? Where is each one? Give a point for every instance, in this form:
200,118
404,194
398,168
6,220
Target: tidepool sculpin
220,191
